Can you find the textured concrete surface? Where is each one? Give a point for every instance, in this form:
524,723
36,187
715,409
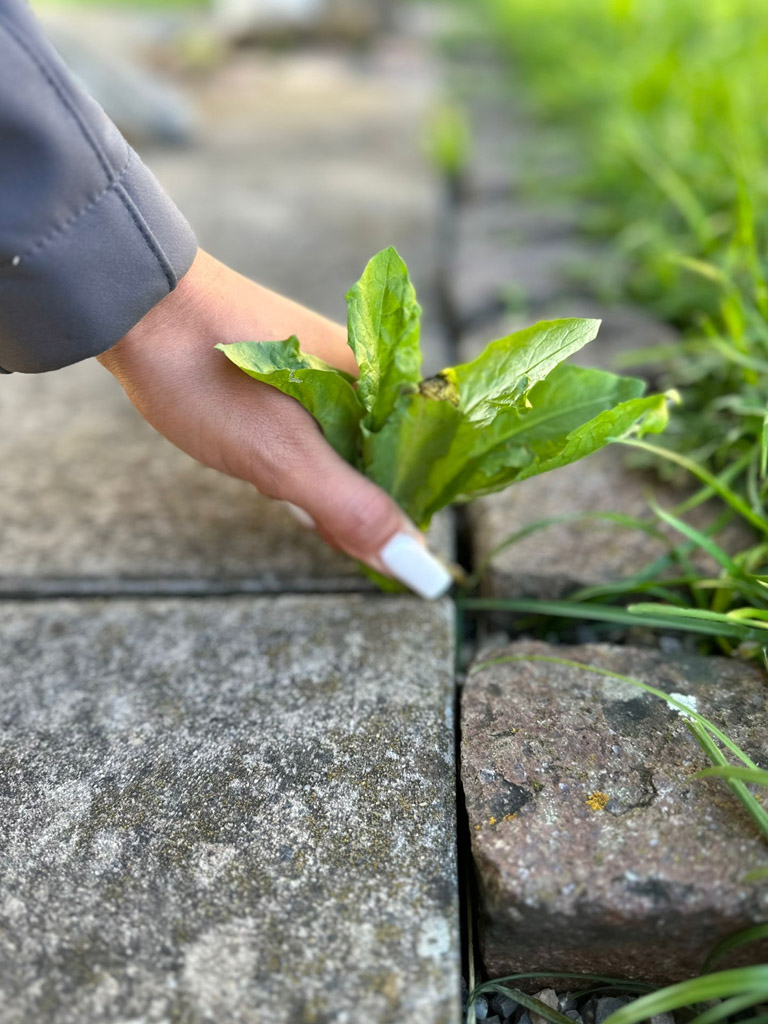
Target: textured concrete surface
227,810
92,497
595,849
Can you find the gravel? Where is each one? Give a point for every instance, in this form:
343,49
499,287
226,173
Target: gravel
495,1008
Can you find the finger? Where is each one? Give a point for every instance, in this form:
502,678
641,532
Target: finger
358,517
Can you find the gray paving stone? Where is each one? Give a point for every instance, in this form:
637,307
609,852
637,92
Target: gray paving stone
234,810
94,499
580,552
259,19
491,271
595,849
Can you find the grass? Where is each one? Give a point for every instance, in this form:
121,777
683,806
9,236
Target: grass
662,109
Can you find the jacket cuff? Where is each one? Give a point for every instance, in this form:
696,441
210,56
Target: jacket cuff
79,289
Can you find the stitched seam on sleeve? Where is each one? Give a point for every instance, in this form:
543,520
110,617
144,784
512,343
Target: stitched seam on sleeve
146,234
98,152
63,98
60,229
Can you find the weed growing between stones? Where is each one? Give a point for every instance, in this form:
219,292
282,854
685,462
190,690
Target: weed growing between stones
707,1000
515,411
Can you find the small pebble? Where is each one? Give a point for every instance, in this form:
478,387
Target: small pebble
548,996
608,1005
566,1002
662,1018
525,1018
588,1010
481,1008
574,1015
504,1006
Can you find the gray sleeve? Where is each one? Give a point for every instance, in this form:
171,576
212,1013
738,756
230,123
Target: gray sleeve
89,242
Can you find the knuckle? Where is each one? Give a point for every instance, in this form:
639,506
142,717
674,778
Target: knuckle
277,469
366,520
278,459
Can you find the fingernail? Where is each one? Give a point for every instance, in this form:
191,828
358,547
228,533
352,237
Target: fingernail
303,518
415,566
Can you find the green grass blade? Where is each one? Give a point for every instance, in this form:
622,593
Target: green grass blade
722,619
752,775
741,938
754,809
697,538
728,1007
720,985
499,985
722,490
601,613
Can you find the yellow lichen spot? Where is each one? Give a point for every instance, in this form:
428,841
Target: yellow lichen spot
492,821
598,801
478,827
509,817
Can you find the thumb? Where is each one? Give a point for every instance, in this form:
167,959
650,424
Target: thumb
356,516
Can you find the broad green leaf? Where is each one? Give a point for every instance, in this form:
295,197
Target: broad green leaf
383,322
484,458
324,392
406,457
511,366
645,415
472,429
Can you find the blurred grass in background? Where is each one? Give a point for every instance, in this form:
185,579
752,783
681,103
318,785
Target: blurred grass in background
662,110
667,105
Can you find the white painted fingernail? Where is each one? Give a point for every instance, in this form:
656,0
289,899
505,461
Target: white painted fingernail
303,518
415,566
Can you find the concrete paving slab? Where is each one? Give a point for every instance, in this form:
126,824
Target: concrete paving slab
233,810
94,500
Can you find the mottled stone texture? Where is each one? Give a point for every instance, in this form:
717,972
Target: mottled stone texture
595,848
227,811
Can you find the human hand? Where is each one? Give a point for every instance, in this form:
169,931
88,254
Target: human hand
194,396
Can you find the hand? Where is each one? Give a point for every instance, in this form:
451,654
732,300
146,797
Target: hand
196,398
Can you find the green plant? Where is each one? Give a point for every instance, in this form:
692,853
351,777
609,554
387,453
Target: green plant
515,411
661,108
